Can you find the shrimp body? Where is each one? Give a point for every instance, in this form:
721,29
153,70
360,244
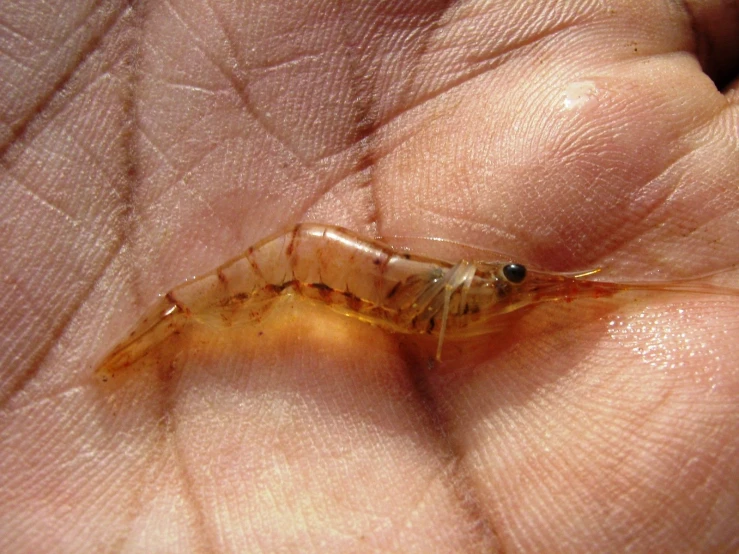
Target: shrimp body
360,277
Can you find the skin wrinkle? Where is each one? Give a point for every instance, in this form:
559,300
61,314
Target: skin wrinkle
92,157
644,421
43,399
82,145
40,200
471,77
289,62
442,432
196,88
510,49
620,238
365,122
379,153
497,59
179,172
202,527
729,107
23,378
233,50
165,440
162,155
19,381
657,211
615,244
241,90
4,25
26,376
25,141
450,474
367,126
365,161
20,131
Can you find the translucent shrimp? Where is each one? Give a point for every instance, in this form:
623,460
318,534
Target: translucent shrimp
365,279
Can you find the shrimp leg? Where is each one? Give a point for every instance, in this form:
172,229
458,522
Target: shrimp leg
459,275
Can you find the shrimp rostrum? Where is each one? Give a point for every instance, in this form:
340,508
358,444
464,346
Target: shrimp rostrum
363,278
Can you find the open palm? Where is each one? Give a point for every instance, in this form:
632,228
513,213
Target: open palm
144,143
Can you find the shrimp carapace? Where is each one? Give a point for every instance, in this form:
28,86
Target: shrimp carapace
363,278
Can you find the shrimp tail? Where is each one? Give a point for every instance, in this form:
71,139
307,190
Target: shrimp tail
159,324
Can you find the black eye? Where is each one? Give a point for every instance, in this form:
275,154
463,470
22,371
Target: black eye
515,273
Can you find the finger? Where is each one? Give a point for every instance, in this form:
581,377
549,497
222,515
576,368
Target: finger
572,149
715,26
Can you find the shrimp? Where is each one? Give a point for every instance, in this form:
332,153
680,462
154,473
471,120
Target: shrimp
365,279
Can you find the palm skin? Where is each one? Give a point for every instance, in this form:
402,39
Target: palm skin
147,143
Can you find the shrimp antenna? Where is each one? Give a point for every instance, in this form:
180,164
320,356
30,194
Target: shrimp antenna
587,273
480,253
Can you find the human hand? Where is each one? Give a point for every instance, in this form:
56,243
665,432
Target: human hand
150,143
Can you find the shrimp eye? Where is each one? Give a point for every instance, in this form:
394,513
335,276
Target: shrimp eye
515,273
